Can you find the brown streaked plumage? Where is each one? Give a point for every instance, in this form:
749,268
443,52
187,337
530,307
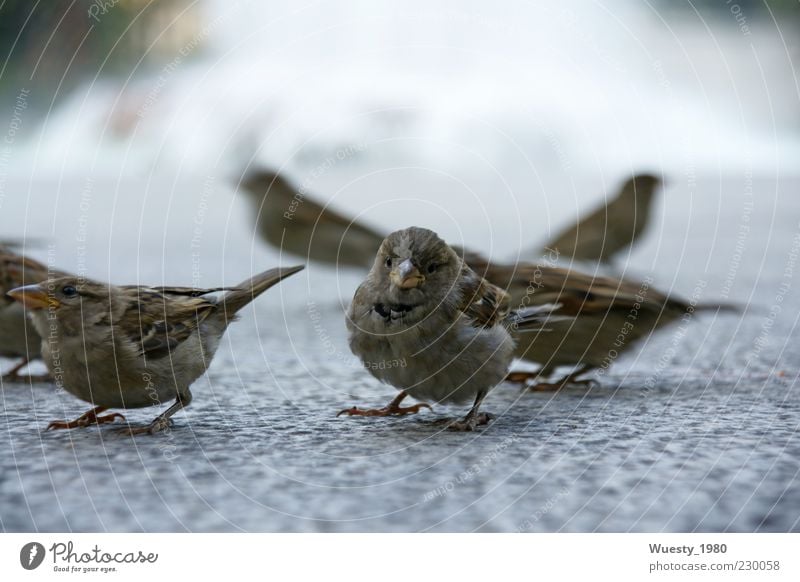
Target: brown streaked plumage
133,346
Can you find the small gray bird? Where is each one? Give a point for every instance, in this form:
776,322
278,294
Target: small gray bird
289,220
613,227
132,346
425,323
18,338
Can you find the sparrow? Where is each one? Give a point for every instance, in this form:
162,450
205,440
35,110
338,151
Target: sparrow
292,221
593,319
611,228
427,324
132,346
18,338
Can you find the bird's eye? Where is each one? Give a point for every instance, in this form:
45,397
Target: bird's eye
388,262
432,268
69,291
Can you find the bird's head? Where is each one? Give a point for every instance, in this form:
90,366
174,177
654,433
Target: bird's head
414,266
641,187
70,300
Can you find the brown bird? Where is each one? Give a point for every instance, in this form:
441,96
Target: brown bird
292,221
132,346
611,228
18,338
602,317
427,324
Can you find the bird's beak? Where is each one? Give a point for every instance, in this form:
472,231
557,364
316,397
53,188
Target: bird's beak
33,297
406,275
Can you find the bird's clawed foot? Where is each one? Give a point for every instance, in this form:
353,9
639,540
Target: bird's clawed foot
385,411
86,419
13,374
164,420
392,409
159,424
470,422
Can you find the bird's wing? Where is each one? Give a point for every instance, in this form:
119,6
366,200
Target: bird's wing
357,239
361,306
579,293
291,219
312,212
283,195
158,321
184,291
484,304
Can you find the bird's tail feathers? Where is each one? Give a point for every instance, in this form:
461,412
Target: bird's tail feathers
248,290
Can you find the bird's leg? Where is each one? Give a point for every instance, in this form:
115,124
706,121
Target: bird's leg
13,374
86,419
163,420
392,409
569,379
473,417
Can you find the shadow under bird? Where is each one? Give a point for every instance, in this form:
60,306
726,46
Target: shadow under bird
133,346
599,317
18,338
291,221
427,324
611,228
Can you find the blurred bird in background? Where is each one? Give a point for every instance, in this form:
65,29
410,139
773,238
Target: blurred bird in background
603,317
611,228
18,338
291,221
